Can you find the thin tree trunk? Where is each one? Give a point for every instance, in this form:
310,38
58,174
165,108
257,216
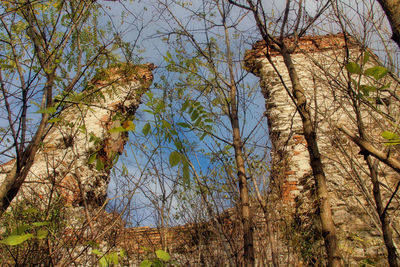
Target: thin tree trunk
385,226
248,249
328,227
15,178
386,231
244,196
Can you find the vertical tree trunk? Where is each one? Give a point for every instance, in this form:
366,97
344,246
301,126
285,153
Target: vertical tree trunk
328,227
244,196
385,224
248,247
386,231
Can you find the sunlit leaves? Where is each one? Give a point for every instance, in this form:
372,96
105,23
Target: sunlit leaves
162,259
125,127
353,68
146,263
378,72
162,255
198,115
49,110
54,120
109,258
174,158
14,240
364,89
392,138
146,129
375,72
19,235
42,234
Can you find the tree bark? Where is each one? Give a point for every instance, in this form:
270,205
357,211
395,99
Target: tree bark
392,11
373,173
248,248
328,227
14,179
386,231
367,147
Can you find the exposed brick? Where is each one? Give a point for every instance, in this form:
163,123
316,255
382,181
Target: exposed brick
333,107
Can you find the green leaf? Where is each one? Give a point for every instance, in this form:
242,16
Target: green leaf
385,86
378,72
174,158
115,159
97,252
103,262
162,255
146,129
178,144
353,68
128,125
355,83
367,88
149,111
390,135
366,57
21,229
118,129
194,116
14,240
49,110
92,158
99,165
31,210
203,136
146,263
186,173
185,105
166,124
157,263
112,258
35,103
42,234
184,125
82,128
53,120
392,143
38,224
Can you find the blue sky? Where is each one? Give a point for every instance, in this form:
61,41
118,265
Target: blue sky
143,17
153,49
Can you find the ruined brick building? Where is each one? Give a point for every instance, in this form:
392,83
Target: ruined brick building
81,145
321,65
61,167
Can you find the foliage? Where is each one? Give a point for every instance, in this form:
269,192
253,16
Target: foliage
161,259
28,231
110,258
369,81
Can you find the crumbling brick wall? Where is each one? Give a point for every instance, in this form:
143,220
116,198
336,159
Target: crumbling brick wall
82,144
320,63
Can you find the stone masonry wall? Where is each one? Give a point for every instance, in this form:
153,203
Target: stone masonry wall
86,132
319,62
